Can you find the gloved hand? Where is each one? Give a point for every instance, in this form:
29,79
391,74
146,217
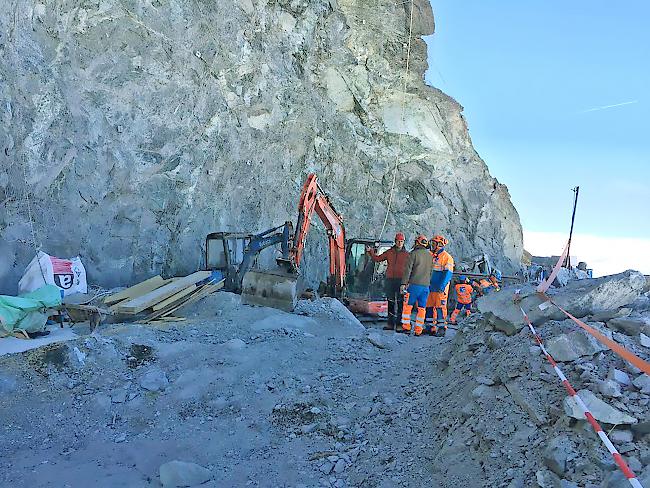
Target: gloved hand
402,289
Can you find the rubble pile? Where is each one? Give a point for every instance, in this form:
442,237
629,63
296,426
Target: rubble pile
250,396
602,297
327,308
506,417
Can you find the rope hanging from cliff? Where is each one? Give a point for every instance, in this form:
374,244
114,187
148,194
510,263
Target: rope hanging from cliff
28,203
399,137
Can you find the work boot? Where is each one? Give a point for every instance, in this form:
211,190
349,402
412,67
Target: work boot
418,330
433,330
441,331
399,329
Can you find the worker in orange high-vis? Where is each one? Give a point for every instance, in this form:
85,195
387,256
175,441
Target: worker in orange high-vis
396,258
489,285
442,272
463,298
495,277
415,284
485,286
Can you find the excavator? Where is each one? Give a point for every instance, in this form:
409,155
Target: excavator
234,253
352,276
279,289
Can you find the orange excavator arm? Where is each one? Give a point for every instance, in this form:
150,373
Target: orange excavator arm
313,199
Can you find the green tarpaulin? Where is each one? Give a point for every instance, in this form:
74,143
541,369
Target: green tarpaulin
27,311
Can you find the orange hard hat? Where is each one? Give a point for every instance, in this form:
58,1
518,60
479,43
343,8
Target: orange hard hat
440,240
422,240
399,236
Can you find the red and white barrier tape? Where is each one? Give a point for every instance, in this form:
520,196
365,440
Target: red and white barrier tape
545,285
629,356
618,459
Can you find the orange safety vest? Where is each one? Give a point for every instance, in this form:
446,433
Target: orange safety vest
485,283
443,262
464,293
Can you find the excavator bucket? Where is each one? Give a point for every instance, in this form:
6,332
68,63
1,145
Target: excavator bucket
276,289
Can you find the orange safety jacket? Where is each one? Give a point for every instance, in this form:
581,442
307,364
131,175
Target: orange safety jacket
464,293
443,268
396,261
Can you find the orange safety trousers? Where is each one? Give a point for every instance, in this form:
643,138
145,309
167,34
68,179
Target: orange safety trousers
437,309
407,310
459,307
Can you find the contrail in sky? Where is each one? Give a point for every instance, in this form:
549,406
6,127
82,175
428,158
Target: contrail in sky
604,107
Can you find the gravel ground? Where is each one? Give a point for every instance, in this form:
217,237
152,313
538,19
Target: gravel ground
259,397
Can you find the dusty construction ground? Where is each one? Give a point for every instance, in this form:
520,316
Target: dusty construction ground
265,398
260,397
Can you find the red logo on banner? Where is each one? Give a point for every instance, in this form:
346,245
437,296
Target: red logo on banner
61,266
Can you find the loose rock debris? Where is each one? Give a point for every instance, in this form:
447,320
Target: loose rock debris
317,401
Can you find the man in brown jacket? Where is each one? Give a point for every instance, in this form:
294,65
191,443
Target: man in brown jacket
396,257
415,284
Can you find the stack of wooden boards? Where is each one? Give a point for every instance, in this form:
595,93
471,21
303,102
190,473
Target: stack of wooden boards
159,298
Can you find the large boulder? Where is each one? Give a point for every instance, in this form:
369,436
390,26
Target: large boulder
598,408
574,345
328,308
580,298
616,479
629,325
557,453
154,380
176,474
642,382
609,388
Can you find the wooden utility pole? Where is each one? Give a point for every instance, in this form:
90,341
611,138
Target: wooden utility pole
576,190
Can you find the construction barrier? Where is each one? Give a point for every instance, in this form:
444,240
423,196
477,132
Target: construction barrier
629,356
544,285
614,346
618,459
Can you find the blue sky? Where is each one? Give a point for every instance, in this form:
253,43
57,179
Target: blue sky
533,77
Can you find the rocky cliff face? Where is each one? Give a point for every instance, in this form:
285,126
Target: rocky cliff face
131,128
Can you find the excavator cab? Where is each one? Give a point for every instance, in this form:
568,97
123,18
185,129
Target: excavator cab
224,251
235,254
365,278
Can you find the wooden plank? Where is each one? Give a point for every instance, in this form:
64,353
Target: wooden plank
170,308
115,306
136,290
204,291
156,296
199,293
174,298
207,290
